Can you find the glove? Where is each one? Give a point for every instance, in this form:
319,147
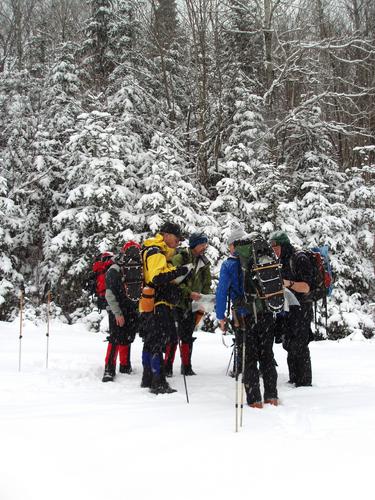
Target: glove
183,273
184,270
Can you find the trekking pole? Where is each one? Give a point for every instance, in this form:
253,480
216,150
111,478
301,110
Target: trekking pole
236,374
230,360
236,403
186,389
48,322
21,306
242,322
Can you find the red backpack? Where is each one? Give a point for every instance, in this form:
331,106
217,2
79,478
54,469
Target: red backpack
102,263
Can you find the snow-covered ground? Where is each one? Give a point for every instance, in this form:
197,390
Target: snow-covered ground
66,435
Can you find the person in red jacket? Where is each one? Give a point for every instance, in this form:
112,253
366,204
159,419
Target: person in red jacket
102,263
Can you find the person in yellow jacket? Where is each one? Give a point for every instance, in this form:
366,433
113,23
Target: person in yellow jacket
158,326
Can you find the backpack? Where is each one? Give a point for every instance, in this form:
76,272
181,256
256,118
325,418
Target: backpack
100,266
132,270
321,285
322,282
262,274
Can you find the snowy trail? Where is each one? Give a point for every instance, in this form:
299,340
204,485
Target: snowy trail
66,435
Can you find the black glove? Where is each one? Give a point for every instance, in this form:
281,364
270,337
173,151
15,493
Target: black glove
163,278
183,270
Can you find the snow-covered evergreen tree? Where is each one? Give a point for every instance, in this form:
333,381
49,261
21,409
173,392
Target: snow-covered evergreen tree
100,193
250,189
59,110
167,189
20,164
323,216
97,49
10,223
360,192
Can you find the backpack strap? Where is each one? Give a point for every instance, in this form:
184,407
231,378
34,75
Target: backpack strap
147,252
292,261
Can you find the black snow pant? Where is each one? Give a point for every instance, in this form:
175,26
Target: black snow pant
123,335
157,329
120,339
259,349
297,335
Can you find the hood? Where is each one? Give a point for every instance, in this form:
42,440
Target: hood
158,241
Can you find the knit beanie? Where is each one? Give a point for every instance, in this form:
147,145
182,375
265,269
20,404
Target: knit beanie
279,238
197,239
236,234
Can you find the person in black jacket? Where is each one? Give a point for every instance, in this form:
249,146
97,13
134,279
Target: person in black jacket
297,273
123,321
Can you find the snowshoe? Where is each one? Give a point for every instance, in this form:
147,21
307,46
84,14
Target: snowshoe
132,272
267,272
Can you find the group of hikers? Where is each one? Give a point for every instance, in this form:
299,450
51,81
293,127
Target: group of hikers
174,279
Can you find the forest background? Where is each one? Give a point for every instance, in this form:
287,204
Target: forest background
118,115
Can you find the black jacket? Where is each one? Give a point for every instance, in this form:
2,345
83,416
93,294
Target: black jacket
296,266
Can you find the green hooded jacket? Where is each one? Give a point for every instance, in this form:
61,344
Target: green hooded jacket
199,280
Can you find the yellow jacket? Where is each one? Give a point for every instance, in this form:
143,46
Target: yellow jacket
156,263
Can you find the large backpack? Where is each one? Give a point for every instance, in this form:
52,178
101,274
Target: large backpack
132,270
262,275
100,266
322,282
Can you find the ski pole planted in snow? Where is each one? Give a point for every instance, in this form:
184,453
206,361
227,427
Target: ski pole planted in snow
242,323
236,376
21,306
240,326
48,294
236,404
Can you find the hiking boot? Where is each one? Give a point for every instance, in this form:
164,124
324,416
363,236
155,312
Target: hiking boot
272,401
187,370
146,377
257,404
168,370
109,374
160,386
125,369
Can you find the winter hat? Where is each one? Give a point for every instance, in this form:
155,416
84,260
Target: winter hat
197,239
106,256
236,234
172,228
279,238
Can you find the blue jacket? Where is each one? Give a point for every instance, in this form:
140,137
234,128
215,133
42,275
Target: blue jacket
230,282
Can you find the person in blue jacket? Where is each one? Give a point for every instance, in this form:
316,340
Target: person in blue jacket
259,327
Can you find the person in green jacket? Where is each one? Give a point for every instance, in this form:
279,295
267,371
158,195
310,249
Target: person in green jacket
197,282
